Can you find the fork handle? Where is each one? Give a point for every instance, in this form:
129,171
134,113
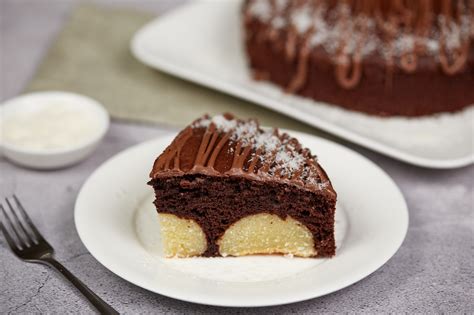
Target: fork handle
100,304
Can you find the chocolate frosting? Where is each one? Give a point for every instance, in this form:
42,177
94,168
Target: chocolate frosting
224,146
351,31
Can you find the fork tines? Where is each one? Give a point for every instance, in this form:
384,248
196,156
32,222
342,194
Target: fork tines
15,219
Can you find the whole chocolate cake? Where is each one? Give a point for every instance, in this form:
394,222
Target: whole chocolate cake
226,187
382,57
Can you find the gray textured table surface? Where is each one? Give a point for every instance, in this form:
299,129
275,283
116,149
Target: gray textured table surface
432,272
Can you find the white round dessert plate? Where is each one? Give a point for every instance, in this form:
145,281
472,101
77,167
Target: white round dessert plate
207,48
118,224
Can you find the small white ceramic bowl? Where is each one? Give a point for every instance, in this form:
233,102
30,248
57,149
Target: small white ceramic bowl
53,158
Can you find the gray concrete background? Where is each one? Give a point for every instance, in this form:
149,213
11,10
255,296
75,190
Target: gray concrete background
432,272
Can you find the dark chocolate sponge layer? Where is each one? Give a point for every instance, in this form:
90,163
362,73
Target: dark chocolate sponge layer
215,203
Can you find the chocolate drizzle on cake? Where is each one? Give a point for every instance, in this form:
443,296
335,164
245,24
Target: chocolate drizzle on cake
224,146
398,31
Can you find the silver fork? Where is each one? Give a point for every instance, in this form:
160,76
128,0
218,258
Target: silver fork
28,244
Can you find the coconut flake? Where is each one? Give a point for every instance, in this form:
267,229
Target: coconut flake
302,19
261,9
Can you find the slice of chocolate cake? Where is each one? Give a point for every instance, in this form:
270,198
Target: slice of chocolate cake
226,187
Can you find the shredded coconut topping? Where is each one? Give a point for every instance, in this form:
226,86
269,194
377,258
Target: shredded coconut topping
261,9
302,19
285,156
219,121
331,26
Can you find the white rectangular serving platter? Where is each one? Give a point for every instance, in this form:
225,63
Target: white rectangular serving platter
203,42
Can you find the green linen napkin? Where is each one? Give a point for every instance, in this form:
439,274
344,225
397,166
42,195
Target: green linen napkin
91,56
